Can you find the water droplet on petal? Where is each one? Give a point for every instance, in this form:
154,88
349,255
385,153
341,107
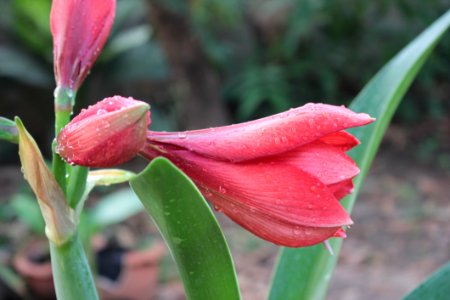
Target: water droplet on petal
101,111
297,230
222,190
182,135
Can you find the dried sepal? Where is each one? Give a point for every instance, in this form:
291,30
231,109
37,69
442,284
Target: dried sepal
59,218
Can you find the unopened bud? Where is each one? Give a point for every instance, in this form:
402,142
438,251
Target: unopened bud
108,133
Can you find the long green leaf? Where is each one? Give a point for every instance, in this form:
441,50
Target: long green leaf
436,287
189,229
305,273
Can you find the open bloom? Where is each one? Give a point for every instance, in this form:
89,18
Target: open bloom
279,177
80,29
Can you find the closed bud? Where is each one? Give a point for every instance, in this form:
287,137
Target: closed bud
108,133
79,30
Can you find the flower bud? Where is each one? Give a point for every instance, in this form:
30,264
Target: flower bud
108,133
79,29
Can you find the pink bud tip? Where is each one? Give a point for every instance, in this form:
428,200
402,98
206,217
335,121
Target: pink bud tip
108,133
79,29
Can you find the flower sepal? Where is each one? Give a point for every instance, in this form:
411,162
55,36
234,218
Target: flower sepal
60,219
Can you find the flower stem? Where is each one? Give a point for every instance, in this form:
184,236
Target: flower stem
71,273
64,100
76,184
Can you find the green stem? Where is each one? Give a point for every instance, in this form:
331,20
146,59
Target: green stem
64,99
71,273
76,184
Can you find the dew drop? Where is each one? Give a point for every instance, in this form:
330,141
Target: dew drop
297,230
101,111
182,135
222,190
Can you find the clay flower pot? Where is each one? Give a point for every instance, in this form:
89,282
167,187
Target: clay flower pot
138,274
137,271
33,265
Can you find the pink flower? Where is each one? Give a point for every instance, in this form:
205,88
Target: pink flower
280,177
80,29
108,133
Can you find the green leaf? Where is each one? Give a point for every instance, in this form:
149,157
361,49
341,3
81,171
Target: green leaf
27,210
190,230
305,273
115,208
436,287
12,280
8,131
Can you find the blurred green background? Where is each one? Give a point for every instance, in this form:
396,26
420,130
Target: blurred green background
201,63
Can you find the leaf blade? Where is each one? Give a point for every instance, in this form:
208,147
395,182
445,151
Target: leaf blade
190,230
434,287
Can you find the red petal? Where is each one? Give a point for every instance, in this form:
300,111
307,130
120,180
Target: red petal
80,29
273,229
275,201
271,135
340,233
328,163
341,189
341,139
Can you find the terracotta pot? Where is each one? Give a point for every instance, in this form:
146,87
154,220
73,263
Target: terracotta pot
138,275
34,267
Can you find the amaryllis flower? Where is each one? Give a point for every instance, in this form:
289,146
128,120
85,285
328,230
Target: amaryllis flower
80,29
280,177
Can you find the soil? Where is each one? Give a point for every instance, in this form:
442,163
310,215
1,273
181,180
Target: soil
401,235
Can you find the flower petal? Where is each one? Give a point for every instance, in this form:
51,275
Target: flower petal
268,136
273,229
341,189
327,163
80,29
278,190
341,139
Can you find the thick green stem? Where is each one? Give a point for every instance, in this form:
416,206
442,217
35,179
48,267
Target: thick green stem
64,100
71,273
76,184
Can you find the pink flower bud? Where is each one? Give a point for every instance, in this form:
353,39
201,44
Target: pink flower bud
108,133
80,29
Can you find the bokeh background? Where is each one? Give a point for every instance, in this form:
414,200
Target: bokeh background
203,63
